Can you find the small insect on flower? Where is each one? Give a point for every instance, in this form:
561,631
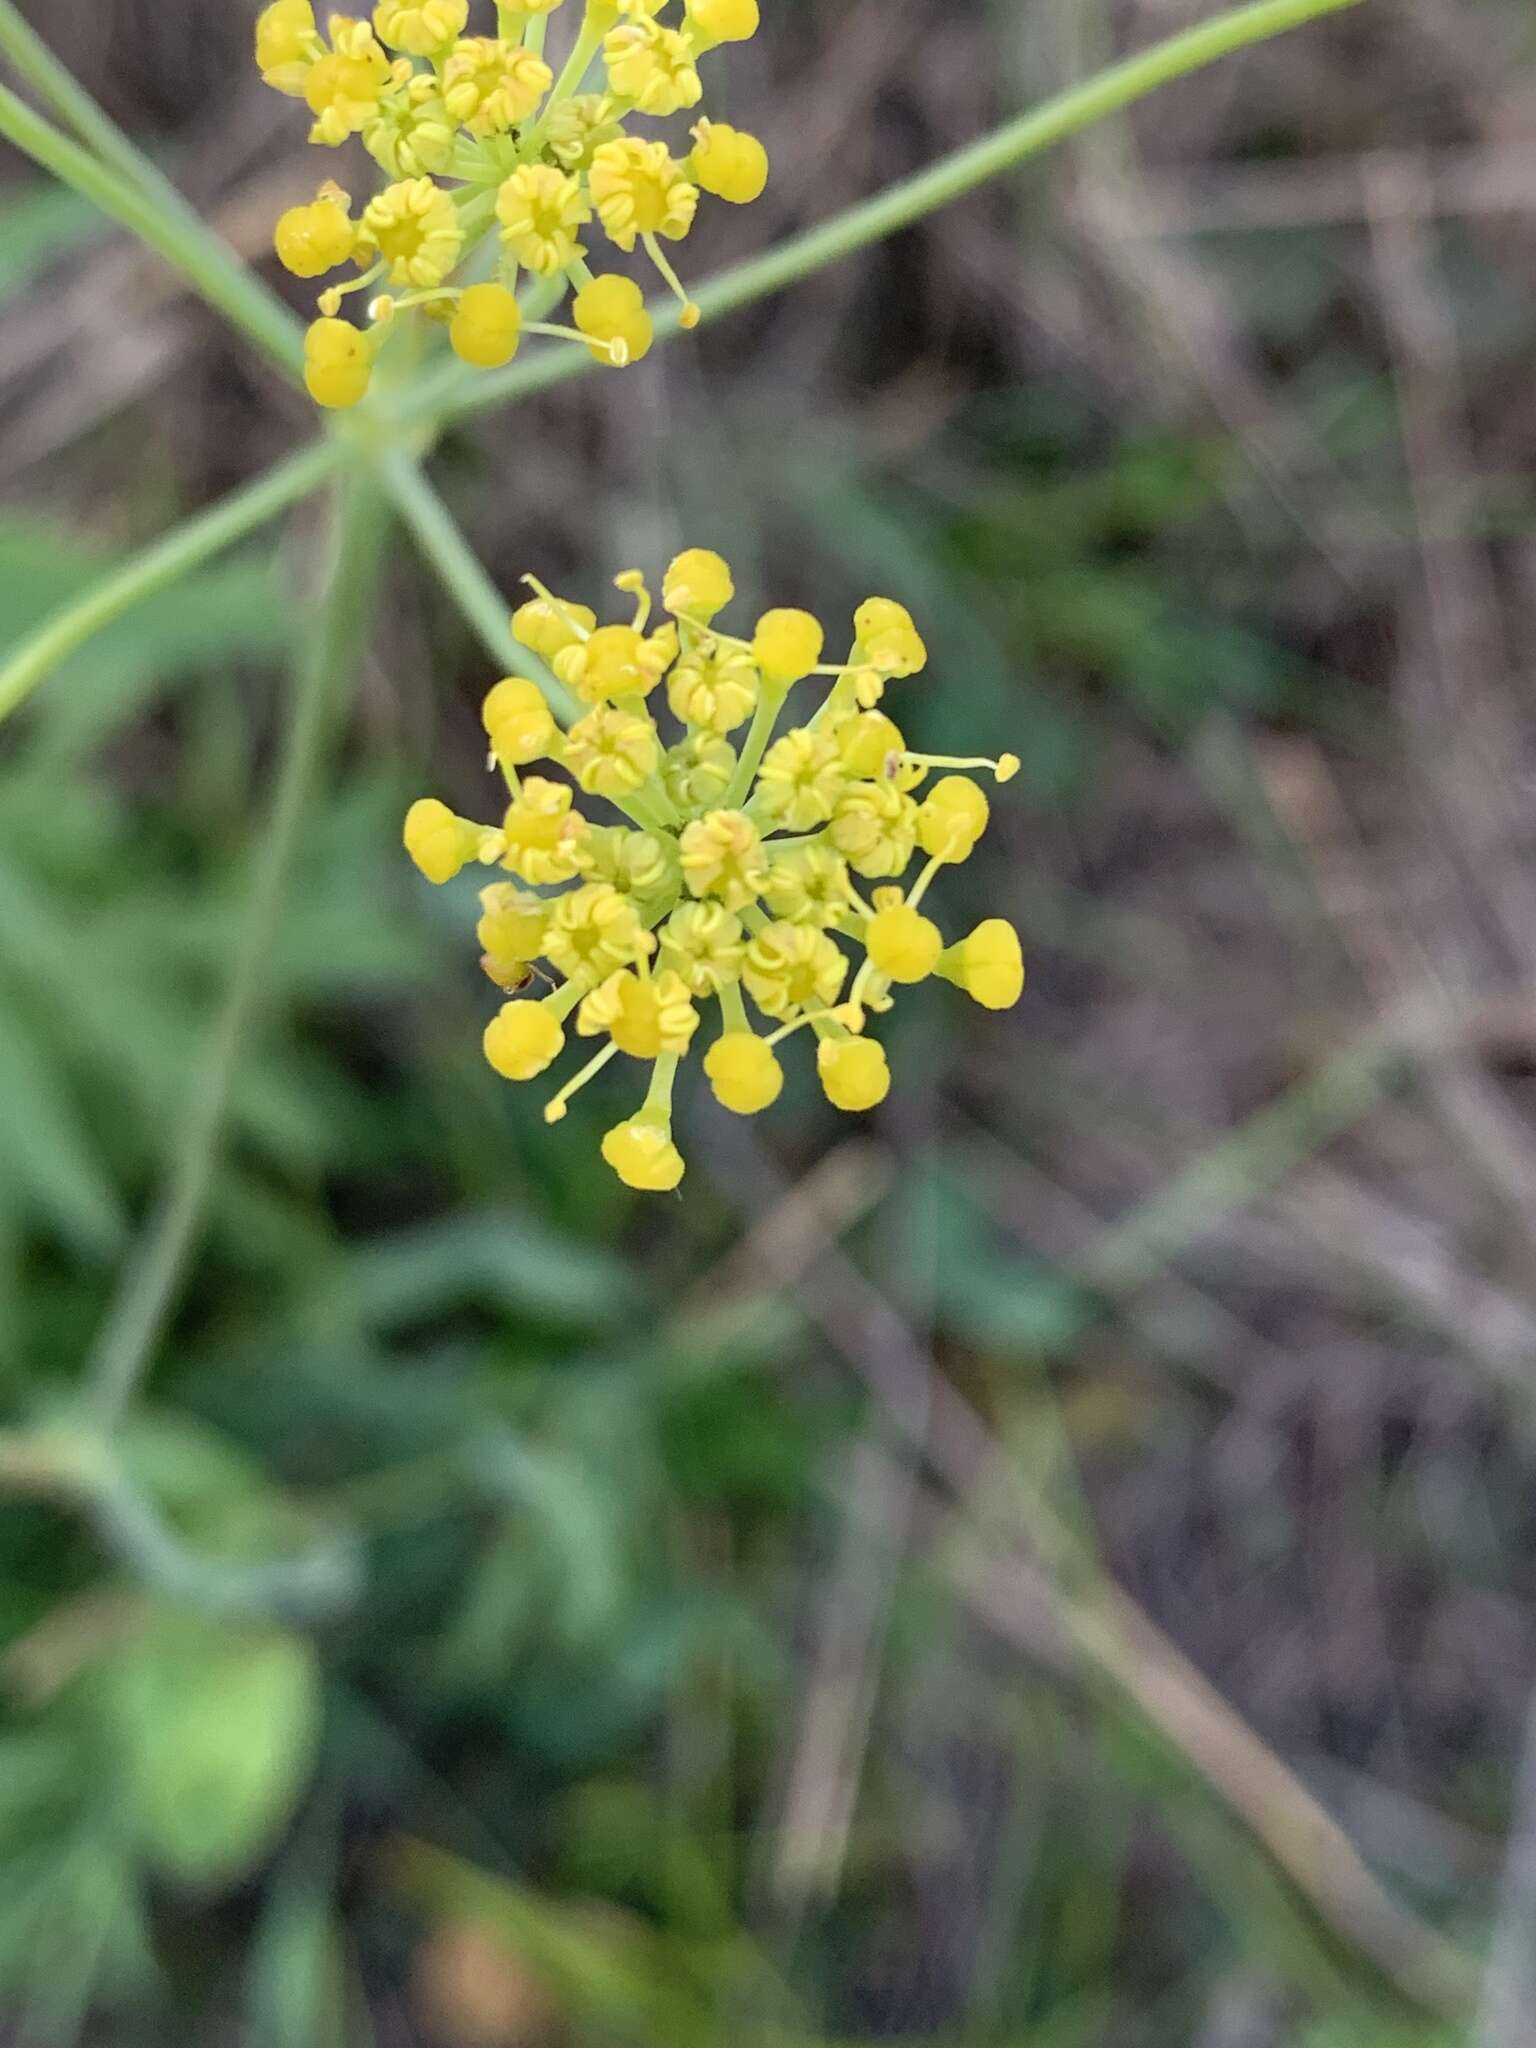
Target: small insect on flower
721,874
497,165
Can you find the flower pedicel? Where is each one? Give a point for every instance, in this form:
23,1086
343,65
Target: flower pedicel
495,166
734,877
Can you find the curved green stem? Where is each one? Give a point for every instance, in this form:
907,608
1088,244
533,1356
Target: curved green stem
440,539
161,219
138,1315
949,179
164,562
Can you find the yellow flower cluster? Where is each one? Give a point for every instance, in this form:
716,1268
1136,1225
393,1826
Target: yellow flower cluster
496,166
733,872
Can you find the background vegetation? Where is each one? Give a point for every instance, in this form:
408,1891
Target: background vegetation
1051,1565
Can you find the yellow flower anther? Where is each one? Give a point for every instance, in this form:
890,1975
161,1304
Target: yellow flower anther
874,828
793,967
703,944
313,239
723,856
728,162
904,945
439,842
422,28
643,1155
725,21
522,1039
653,66
338,364
645,1016
592,932
541,832
638,189
540,208
743,1072
951,818
787,646
489,86
519,722
612,752
890,641
988,964
854,1073
714,688
487,326
415,229
698,583
610,311
800,780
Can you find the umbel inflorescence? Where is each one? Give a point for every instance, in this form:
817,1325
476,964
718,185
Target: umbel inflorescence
495,167
739,874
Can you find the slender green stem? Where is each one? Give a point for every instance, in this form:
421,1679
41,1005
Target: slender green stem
586,47
769,704
137,1317
56,84
164,562
483,605
949,179
164,221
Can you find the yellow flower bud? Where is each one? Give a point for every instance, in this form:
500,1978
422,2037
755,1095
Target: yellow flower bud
610,311
286,44
728,162
549,630
643,1155
608,663
951,818
725,21
853,1072
988,965
522,1039
440,843
868,742
487,326
512,923
793,967
311,240
540,208
698,581
338,364
890,640
787,645
611,752
519,722
743,1072
904,944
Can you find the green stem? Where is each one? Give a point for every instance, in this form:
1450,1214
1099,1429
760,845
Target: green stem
438,535
769,704
58,86
587,45
138,1315
165,223
176,553
949,179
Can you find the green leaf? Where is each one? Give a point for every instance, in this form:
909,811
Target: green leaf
218,1731
51,1165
